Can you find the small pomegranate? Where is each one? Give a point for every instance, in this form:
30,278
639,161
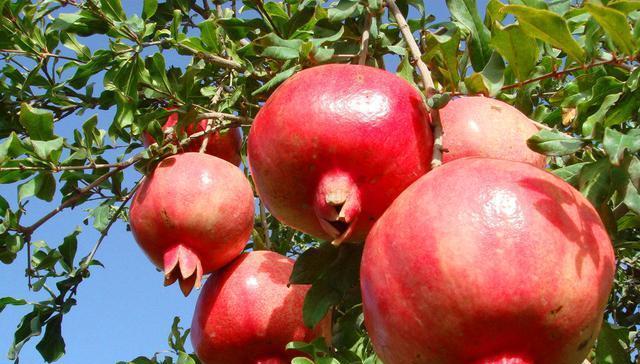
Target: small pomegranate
486,261
225,144
247,313
334,145
191,216
476,126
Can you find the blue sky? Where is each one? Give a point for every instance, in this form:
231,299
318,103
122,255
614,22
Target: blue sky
123,310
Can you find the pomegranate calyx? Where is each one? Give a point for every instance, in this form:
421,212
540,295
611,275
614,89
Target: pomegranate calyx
337,205
182,265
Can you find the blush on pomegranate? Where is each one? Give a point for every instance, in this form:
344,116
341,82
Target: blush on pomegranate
476,126
192,215
225,144
334,145
246,313
486,261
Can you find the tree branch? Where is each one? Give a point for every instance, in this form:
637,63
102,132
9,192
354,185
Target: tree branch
618,62
228,63
427,81
364,43
27,231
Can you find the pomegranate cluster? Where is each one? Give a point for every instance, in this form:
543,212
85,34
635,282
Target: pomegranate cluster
487,259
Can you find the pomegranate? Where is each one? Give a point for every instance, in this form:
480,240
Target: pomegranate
191,216
247,313
476,126
225,144
486,261
334,145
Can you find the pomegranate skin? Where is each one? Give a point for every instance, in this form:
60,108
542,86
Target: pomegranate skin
225,144
334,145
192,215
476,126
246,314
486,261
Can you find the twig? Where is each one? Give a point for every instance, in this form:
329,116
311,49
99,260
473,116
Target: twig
230,117
265,227
205,141
364,43
27,231
114,218
556,74
218,8
71,201
541,125
212,58
266,15
427,81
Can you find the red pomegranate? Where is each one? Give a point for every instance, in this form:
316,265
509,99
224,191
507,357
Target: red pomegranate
334,145
225,144
486,261
191,216
476,126
246,313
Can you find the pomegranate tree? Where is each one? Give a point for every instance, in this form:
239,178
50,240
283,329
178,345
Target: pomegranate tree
247,313
334,145
192,215
225,144
476,126
486,261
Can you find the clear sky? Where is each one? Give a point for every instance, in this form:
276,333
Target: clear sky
123,310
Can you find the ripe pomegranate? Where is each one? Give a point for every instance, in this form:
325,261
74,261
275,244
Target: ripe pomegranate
247,313
191,216
486,261
334,145
225,144
476,126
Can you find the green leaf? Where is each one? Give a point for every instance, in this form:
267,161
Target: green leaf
466,13
632,198
342,10
319,299
276,80
596,182
149,8
554,143
615,24
490,79
101,216
184,358
30,326
548,27
52,346
37,122
588,127
615,143
209,35
517,48
312,263
113,9
570,173
613,343
11,147
282,53
47,150
68,248
4,301
42,186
